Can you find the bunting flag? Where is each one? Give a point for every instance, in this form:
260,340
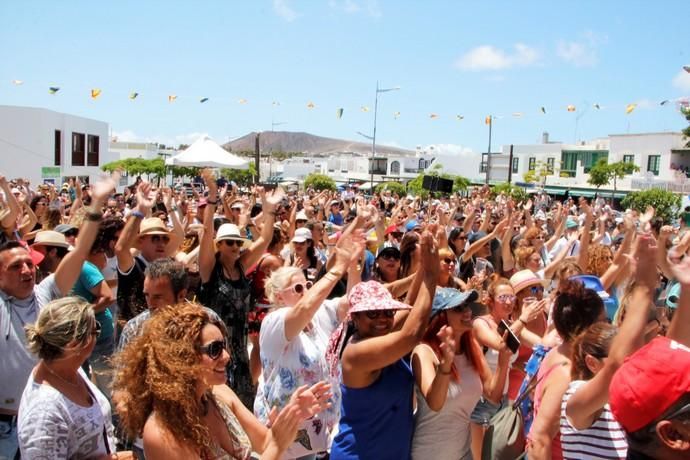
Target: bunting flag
133,95
339,113
242,101
664,102
310,105
629,108
433,116
172,98
487,120
543,110
364,108
203,99
597,106
95,93
53,89
17,82
396,115
571,108
460,117
517,114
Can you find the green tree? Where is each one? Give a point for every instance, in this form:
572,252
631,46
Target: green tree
600,173
685,111
666,204
460,183
539,174
394,187
241,177
518,194
185,171
319,182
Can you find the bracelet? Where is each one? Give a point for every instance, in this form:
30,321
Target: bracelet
138,214
522,321
212,202
93,216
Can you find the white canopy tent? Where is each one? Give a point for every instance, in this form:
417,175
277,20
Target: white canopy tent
206,153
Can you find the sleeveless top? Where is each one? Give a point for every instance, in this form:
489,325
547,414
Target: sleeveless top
605,439
241,445
445,435
376,421
542,377
230,299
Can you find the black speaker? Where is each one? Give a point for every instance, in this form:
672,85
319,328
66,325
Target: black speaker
429,182
444,185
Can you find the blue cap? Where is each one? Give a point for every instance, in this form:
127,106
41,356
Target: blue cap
570,223
411,225
447,298
673,296
476,236
594,283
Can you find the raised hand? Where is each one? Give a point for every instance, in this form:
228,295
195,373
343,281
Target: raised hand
167,198
271,200
448,345
645,262
103,187
429,256
145,196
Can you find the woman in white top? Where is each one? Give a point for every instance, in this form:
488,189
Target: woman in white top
294,338
451,375
62,414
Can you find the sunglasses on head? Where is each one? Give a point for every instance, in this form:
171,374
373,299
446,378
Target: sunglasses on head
299,288
231,243
214,349
158,238
373,314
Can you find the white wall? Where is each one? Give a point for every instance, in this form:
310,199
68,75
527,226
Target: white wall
644,145
27,142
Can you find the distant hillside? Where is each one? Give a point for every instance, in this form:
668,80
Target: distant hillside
284,141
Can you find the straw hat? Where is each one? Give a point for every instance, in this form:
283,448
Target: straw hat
231,232
152,226
524,279
51,238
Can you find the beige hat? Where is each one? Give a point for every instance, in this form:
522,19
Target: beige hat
152,226
51,238
231,232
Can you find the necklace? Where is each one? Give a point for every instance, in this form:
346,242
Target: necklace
55,374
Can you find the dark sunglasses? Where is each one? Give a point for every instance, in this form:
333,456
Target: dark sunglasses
373,314
449,260
397,234
214,349
69,233
231,243
536,289
299,288
390,256
159,238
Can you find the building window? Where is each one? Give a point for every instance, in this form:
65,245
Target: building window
516,163
532,164
58,147
653,162
483,167
395,167
78,144
92,153
570,159
379,166
628,158
422,165
549,165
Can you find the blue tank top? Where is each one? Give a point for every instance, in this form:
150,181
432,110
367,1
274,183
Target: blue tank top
376,421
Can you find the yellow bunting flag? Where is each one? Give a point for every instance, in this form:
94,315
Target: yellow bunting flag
629,108
487,120
571,108
172,98
242,101
133,95
364,108
95,93
53,89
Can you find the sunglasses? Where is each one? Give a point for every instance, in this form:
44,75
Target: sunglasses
373,314
506,298
96,330
540,237
299,288
214,349
159,238
71,233
449,260
390,256
536,289
301,221
397,234
231,243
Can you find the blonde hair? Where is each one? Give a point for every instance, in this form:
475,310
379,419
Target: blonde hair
278,280
59,323
446,252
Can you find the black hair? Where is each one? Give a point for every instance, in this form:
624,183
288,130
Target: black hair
35,200
9,245
407,248
457,231
107,230
575,309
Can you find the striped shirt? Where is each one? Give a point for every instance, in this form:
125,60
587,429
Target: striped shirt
604,439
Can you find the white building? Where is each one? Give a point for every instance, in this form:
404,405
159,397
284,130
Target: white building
47,146
658,155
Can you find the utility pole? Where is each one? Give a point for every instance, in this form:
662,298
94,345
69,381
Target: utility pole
257,158
490,119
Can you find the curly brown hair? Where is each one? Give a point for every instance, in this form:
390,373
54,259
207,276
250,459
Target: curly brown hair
522,255
159,370
598,259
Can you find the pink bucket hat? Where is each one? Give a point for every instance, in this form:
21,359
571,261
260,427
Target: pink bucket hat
371,295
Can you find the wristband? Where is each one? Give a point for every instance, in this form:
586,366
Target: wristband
522,321
212,202
138,214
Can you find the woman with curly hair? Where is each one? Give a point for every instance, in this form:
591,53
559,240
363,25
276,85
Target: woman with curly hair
173,394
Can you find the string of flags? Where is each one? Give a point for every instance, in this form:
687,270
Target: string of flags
683,104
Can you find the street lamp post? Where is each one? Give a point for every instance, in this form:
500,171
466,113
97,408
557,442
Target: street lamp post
373,137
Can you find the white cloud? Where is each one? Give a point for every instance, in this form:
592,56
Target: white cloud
576,53
282,9
682,80
487,57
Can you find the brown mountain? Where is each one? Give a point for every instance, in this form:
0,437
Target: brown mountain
285,141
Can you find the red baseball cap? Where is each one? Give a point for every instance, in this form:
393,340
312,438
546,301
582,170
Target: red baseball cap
36,257
649,382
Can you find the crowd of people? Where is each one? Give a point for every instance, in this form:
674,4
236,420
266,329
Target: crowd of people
224,323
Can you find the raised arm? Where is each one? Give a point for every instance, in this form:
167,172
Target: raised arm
679,330
69,269
207,253
585,238
9,220
128,237
269,204
431,374
177,234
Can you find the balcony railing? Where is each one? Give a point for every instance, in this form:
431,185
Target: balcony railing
677,186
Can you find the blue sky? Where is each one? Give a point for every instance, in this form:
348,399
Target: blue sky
449,58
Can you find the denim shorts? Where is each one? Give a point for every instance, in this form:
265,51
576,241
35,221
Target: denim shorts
9,444
485,409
